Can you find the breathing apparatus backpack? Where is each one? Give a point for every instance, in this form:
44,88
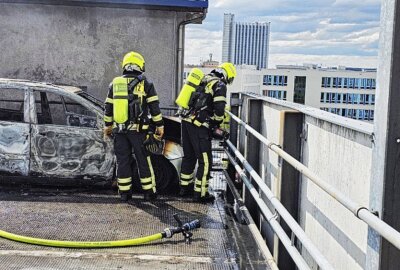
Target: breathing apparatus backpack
127,106
193,81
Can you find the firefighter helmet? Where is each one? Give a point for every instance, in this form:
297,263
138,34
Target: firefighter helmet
229,71
133,60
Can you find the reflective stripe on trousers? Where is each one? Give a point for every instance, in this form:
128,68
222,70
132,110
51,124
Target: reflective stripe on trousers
123,145
124,184
196,142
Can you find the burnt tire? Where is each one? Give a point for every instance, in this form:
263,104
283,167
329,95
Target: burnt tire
167,181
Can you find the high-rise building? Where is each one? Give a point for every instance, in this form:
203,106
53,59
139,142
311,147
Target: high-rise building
245,43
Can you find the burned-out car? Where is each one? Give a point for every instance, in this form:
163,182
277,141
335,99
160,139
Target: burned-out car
53,132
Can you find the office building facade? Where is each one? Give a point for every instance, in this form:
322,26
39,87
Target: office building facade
245,43
344,91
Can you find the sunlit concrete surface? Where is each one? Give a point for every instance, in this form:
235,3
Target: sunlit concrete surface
78,215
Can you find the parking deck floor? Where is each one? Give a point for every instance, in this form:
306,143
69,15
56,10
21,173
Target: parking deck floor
221,243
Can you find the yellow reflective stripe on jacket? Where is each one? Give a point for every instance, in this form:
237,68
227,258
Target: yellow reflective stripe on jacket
197,123
139,91
152,99
108,118
210,85
218,118
137,127
109,100
157,117
220,98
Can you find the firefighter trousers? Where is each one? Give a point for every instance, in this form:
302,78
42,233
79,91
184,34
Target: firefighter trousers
124,145
196,142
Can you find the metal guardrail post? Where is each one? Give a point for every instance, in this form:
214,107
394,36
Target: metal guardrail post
235,103
252,147
289,183
384,196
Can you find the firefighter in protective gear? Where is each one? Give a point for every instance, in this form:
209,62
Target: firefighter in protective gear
206,111
130,107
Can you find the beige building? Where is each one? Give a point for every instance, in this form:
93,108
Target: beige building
348,92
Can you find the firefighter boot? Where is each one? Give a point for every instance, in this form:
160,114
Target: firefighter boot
208,198
150,195
186,191
125,196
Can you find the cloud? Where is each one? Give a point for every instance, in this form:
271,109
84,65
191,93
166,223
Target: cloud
313,28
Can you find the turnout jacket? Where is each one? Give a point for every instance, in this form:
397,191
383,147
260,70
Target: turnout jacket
149,103
213,114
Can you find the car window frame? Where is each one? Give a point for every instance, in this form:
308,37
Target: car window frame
77,98
25,105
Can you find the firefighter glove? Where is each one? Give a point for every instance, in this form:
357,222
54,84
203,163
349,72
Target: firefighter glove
107,131
160,131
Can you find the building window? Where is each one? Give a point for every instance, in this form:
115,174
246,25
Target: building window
322,97
367,114
299,89
356,83
278,94
339,82
363,83
328,97
351,83
345,83
277,80
373,84
369,83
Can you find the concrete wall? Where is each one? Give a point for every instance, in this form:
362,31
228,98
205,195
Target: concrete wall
337,149
342,157
84,46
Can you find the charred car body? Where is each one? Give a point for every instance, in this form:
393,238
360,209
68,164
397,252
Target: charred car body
50,132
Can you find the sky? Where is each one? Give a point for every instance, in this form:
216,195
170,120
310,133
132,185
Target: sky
325,32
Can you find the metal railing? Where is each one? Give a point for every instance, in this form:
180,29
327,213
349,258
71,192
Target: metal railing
290,221
385,230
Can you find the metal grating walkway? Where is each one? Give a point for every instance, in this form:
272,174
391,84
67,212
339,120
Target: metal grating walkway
80,216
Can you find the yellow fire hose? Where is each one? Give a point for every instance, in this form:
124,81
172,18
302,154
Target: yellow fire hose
167,233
